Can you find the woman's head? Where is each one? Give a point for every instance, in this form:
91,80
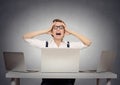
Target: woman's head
58,29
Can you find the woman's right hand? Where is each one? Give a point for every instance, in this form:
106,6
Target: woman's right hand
49,30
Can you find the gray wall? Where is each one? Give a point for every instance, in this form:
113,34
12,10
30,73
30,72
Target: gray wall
97,19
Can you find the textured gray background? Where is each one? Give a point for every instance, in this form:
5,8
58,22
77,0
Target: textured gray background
97,19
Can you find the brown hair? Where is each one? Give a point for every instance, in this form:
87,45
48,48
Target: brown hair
58,20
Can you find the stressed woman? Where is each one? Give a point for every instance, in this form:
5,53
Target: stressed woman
58,31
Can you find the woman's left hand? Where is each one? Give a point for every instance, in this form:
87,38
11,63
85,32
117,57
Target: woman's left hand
67,31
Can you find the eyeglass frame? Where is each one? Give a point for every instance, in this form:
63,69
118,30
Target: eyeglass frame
61,27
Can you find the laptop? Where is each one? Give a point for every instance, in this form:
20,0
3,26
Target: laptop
106,61
14,61
60,60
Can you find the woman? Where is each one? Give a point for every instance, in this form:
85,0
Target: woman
58,31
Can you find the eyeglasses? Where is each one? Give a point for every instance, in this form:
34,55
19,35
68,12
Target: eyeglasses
61,27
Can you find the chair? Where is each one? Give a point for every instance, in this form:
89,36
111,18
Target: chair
106,61
13,60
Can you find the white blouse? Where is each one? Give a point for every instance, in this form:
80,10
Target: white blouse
51,44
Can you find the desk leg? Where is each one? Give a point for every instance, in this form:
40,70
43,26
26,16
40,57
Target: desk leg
15,81
97,81
108,81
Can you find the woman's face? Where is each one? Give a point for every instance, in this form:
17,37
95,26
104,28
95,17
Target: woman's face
58,30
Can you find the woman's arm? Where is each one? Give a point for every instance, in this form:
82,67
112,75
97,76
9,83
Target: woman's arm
36,33
82,38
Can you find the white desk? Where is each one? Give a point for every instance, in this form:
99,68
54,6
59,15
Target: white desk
15,76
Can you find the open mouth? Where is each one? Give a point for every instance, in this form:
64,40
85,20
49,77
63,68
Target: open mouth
58,33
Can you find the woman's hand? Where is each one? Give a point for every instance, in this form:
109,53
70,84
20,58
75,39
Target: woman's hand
67,31
49,30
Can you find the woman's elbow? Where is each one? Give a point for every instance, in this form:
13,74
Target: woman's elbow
25,37
89,43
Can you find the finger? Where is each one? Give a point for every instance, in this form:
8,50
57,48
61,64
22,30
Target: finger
53,23
51,26
64,25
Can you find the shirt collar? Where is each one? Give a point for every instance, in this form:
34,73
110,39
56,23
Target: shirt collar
52,41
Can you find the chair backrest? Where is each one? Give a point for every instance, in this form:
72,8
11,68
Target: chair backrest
106,61
13,59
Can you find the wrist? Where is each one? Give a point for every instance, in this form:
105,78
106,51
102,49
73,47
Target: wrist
71,32
47,31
